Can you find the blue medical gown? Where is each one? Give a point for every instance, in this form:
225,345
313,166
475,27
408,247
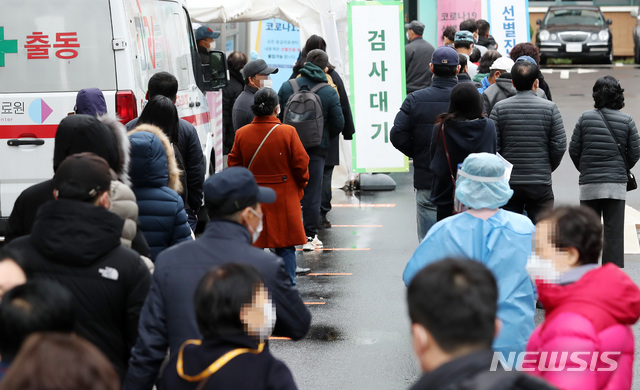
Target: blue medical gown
503,244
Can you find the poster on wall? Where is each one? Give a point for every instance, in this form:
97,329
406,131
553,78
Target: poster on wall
377,77
278,43
452,12
509,23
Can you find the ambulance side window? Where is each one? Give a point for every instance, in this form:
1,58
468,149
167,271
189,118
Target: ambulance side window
143,58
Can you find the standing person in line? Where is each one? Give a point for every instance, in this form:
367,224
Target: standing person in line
531,136
603,169
417,54
274,154
333,156
484,38
463,44
452,308
235,314
449,35
497,238
52,360
589,310
530,50
459,132
471,26
155,179
76,241
235,62
168,318
256,75
483,74
413,129
313,73
165,84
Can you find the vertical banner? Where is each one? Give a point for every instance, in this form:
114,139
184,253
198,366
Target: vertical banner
278,43
452,12
377,79
509,23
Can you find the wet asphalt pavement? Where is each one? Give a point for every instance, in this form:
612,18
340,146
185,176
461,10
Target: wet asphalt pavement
360,332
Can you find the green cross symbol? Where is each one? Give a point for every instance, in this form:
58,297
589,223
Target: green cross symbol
8,46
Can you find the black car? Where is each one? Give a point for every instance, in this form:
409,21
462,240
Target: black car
574,32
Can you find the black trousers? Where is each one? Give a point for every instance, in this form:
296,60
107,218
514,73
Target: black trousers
612,211
325,204
444,211
532,198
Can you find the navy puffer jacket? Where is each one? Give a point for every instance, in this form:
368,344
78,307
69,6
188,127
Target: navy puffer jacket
594,152
155,179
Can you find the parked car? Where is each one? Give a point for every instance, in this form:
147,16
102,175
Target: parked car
636,35
575,31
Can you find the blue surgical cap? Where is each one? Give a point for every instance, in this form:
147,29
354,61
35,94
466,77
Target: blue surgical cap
482,183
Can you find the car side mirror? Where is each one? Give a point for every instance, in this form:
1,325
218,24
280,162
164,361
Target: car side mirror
218,70
539,21
609,22
634,13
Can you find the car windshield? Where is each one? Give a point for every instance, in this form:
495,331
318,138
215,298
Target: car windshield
563,17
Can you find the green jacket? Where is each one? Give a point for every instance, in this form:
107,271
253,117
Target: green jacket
310,75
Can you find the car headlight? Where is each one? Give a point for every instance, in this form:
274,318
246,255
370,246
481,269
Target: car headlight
594,37
544,35
554,37
603,35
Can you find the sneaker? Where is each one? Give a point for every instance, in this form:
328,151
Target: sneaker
312,244
302,271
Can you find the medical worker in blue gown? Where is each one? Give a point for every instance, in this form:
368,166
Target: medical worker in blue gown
499,239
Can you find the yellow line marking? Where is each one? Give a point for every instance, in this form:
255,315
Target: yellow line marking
279,338
315,303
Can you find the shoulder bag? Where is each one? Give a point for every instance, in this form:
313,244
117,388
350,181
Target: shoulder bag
631,180
260,146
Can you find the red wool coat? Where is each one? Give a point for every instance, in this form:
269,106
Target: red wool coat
281,164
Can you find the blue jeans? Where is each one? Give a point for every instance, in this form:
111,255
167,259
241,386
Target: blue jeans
312,196
426,213
288,254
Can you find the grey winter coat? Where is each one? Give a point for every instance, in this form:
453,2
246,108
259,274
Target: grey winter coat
418,55
594,152
531,136
500,90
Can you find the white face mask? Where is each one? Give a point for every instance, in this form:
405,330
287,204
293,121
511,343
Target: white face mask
212,46
268,83
269,321
543,269
407,35
256,233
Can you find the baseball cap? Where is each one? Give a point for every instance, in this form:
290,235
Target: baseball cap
234,189
502,63
82,176
206,32
527,58
255,67
445,55
464,36
416,26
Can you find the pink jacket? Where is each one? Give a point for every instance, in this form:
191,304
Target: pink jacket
592,316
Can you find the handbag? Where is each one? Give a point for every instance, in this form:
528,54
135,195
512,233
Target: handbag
631,179
260,146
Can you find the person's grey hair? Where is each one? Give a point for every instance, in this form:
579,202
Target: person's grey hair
319,58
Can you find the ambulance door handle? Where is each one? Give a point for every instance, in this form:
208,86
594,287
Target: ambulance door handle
22,142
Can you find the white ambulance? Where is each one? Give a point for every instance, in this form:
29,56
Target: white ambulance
51,49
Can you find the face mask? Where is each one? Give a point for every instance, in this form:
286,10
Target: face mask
256,233
277,110
270,320
266,83
407,35
542,269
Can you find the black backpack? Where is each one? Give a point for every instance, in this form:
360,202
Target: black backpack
304,112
